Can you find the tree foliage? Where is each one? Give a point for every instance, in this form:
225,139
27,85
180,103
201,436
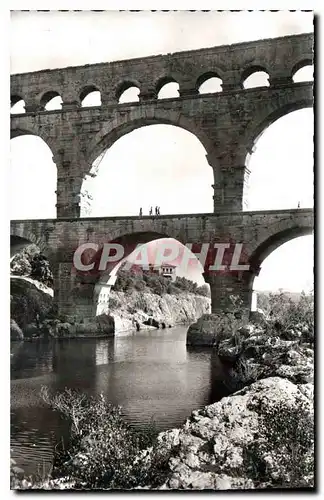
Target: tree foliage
128,281
31,263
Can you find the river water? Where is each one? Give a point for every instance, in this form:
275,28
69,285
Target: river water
152,375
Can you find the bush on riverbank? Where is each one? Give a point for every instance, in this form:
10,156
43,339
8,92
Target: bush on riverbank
104,451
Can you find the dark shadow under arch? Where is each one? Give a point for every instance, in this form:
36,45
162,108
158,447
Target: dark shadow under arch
88,90
125,85
18,243
14,99
247,72
162,82
48,96
129,242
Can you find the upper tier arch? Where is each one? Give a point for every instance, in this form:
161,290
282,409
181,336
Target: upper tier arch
112,131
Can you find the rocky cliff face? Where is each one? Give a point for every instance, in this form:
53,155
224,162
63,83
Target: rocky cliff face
131,311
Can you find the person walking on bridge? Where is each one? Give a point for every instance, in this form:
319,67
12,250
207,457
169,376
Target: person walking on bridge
141,212
156,210
151,211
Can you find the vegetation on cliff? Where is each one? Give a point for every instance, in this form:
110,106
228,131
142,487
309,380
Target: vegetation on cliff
147,281
31,263
28,304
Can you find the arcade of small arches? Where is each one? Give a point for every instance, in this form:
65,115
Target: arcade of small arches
166,87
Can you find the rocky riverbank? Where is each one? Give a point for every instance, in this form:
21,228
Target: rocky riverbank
256,351
33,316
260,437
142,310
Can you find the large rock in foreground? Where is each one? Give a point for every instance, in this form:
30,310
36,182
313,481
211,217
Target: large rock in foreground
260,437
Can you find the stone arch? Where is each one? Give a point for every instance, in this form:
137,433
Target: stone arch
125,85
22,237
129,242
14,99
88,89
204,77
297,71
17,131
280,236
95,279
255,131
301,64
47,97
111,131
24,151
165,80
250,70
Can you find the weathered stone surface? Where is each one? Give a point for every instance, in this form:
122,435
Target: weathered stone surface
261,436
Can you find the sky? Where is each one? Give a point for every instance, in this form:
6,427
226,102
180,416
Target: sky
179,178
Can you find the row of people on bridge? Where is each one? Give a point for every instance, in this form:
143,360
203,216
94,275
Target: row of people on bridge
157,211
